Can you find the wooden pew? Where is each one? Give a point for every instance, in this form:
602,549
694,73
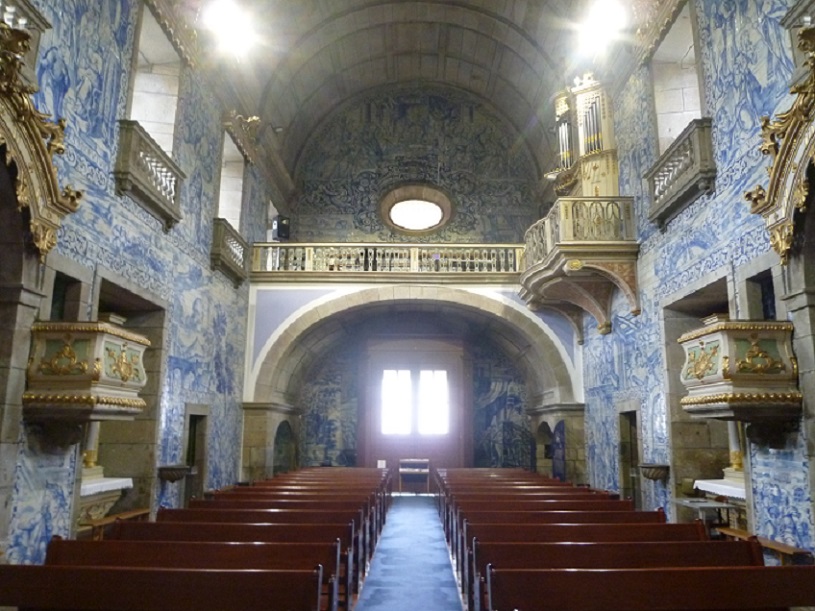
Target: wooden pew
453,523
553,517
455,499
786,554
238,532
374,508
206,555
139,589
557,533
653,589
98,526
605,555
373,522
278,516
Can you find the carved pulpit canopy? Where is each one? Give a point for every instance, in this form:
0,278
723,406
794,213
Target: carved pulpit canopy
789,140
31,141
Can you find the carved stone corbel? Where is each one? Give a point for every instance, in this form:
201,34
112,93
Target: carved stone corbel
244,131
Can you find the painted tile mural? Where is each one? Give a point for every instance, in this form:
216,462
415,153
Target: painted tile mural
449,141
742,49
330,402
83,73
501,431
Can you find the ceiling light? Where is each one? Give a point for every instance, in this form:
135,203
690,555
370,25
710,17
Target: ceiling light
231,25
603,24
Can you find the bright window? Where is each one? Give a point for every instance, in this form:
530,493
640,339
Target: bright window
433,409
415,400
396,402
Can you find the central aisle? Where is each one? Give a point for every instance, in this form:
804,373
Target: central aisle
411,567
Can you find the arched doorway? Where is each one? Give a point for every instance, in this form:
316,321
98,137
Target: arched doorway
544,449
416,404
285,449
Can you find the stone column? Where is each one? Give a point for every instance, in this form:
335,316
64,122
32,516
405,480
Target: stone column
18,309
260,422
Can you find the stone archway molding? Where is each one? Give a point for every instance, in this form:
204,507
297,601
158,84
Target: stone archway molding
554,375
789,140
31,141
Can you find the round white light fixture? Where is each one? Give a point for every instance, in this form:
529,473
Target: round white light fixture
415,209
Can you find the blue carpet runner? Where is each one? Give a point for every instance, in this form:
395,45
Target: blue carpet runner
411,567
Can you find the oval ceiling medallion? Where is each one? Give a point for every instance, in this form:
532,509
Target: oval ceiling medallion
415,209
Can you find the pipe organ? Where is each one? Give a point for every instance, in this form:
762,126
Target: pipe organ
587,156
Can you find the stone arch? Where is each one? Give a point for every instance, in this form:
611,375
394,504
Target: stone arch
288,354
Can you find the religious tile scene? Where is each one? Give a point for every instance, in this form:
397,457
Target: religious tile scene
405,271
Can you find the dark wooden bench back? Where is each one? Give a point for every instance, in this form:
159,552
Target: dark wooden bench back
580,504
276,516
195,554
664,589
646,554
554,533
139,588
225,531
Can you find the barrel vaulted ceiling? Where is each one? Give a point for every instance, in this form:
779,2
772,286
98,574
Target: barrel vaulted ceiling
314,56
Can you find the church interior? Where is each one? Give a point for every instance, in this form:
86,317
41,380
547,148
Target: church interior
489,233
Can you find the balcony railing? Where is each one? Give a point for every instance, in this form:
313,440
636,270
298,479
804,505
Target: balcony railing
393,261
578,221
230,252
684,172
147,174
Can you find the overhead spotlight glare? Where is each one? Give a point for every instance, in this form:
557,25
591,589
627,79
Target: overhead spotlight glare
231,25
603,24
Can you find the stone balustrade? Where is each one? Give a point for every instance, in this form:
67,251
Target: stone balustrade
391,260
230,252
683,173
147,174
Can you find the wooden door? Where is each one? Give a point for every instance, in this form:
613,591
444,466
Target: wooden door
414,404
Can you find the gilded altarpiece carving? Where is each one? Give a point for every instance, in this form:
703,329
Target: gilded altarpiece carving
30,141
789,141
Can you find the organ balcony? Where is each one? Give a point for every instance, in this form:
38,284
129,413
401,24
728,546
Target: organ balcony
578,255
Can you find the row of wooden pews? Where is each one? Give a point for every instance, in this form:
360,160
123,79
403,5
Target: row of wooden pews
523,542
299,542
